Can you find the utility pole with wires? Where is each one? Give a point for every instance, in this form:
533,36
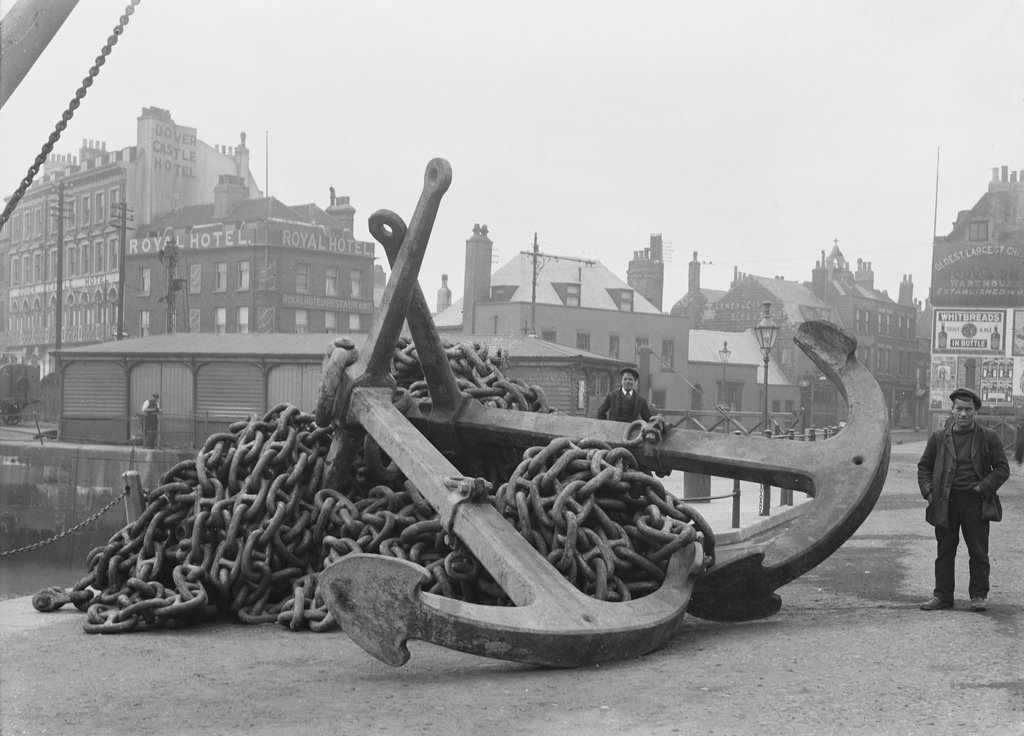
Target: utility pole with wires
169,255
60,210
121,213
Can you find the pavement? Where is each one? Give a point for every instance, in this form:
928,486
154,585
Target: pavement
848,653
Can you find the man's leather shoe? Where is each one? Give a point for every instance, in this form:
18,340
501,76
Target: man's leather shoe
935,604
979,604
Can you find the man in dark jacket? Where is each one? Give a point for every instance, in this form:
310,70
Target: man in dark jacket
961,464
625,404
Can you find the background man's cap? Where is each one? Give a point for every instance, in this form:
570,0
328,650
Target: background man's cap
966,393
630,370
156,396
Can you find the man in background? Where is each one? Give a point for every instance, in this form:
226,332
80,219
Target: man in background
961,464
151,420
625,404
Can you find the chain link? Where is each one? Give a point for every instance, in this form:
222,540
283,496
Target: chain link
80,93
66,532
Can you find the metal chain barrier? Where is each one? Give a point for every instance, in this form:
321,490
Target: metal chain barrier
94,71
244,528
66,532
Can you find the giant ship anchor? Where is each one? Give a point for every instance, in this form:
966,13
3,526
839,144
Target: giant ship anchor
379,601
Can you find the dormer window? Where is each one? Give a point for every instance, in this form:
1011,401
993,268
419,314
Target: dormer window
977,232
623,299
568,293
503,293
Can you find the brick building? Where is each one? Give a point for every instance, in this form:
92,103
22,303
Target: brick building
168,167
977,300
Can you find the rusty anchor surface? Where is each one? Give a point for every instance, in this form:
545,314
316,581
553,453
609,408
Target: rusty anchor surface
379,601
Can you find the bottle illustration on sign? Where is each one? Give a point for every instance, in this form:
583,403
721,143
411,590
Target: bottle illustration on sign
995,338
942,336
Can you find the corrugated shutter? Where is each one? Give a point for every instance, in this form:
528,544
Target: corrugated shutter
294,384
94,388
172,381
557,384
233,390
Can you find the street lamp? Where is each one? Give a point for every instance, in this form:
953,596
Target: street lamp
724,354
766,331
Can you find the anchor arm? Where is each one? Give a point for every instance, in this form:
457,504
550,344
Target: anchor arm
844,476
379,603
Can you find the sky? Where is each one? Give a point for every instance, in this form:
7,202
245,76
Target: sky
756,134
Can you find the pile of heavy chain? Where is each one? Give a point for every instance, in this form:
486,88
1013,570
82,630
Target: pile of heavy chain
478,374
244,528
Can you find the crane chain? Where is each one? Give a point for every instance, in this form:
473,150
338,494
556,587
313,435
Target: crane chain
65,118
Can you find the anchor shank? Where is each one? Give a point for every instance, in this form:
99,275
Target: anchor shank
389,230
515,565
398,292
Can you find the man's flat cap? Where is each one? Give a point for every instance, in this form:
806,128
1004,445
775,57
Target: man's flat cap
966,393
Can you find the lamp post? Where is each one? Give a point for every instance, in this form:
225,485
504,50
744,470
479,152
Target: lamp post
724,354
766,331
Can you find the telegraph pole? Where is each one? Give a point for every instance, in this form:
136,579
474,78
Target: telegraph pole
533,295
121,211
58,319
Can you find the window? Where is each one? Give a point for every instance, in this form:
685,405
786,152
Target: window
39,221
70,260
193,320
613,346
696,397
301,321
220,320
354,323
356,278
115,196
86,258
85,209
144,280
977,231
583,340
331,281
144,322
14,270
572,295
658,398
220,276
195,278
302,277
625,301
641,342
243,275
101,258
330,321
101,213
113,253
668,355
549,335
26,269
37,267
51,265
242,320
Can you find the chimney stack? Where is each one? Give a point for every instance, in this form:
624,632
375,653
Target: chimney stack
476,286
444,295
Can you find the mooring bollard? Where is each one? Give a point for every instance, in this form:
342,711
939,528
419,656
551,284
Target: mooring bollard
736,503
134,500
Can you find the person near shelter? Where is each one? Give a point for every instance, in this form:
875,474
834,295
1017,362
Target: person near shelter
961,464
151,420
625,404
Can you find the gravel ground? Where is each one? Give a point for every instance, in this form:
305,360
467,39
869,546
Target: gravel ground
848,653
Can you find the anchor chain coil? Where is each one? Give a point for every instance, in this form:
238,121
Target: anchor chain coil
244,528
